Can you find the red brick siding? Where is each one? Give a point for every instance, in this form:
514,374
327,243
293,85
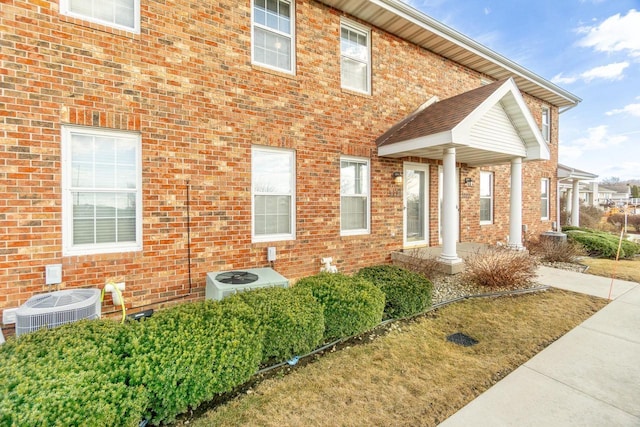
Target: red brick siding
186,83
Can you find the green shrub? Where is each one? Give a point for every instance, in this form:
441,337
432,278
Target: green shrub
293,323
601,244
406,293
351,305
500,268
187,354
72,375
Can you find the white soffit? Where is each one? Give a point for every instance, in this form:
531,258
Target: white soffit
408,23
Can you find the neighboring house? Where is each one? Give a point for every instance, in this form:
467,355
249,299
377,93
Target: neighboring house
576,187
152,142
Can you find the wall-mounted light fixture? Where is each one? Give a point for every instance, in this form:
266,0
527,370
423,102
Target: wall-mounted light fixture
468,182
397,178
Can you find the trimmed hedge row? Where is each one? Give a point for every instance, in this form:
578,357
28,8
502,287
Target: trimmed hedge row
103,373
292,322
406,292
602,244
352,305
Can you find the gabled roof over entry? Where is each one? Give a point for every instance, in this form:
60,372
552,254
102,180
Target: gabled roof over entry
488,125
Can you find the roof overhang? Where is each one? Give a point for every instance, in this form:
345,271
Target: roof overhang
398,18
497,128
569,173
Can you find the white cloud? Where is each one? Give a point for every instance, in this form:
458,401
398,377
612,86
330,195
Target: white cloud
608,72
632,109
597,137
562,80
615,34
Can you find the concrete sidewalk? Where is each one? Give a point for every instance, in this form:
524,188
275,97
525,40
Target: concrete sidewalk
589,377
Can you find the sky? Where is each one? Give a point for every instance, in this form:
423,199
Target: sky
590,48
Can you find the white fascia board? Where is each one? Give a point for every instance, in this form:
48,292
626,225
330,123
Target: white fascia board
416,144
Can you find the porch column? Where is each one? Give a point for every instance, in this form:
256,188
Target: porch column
575,204
568,194
515,210
449,255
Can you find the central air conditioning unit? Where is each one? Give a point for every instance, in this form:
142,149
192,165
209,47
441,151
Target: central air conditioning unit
225,283
57,308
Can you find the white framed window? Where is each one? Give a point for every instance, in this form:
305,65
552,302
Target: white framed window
354,196
272,29
544,198
355,57
486,197
273,194
101,191
121,14
546,123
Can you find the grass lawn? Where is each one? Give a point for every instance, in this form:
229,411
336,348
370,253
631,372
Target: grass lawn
412,375
625,269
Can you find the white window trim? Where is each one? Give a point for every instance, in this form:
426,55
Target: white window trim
491,196
360,29
548,185
274,237
291,36
546,127
361,231
68,248
64,10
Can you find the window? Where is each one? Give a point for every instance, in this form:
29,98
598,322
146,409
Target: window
355,57
123,14
546,126
544,198
102,199
354,196
272,29
273,188
486,197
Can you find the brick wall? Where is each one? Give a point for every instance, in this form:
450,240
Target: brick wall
186,83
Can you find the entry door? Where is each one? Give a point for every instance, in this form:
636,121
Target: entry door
457,196
416,203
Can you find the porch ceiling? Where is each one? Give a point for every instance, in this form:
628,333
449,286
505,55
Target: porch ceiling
401,19
487,125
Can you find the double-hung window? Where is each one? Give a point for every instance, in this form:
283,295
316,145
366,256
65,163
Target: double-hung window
546,123
486,197
121,14
273,194
355,57
354,196
273,34
544,198
102,197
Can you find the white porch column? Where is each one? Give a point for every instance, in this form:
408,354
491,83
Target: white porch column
567,204
449,253
515,211
575,204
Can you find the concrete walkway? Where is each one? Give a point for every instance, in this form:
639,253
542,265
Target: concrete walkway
589,377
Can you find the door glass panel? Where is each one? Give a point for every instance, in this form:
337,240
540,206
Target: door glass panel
415,195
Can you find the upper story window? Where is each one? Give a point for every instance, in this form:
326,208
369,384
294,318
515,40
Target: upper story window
546,123
121,14
544,198
273,194
486,197
355,57
273,34
354,196
102,196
